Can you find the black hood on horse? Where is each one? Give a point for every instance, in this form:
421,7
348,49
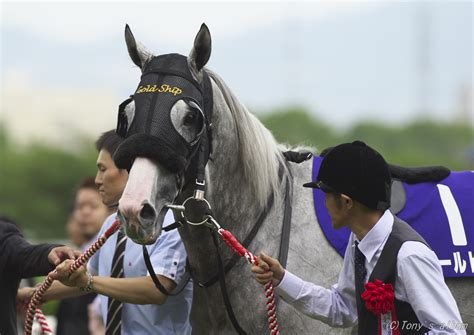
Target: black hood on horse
150,132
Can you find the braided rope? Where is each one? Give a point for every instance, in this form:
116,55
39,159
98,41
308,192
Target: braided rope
42,321
38,294
235,245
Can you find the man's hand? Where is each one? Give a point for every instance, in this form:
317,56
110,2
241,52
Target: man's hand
76,279
268,269
59,254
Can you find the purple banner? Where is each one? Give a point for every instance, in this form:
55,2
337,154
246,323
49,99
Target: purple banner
443,213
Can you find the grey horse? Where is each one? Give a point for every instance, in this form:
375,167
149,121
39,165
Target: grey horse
245,169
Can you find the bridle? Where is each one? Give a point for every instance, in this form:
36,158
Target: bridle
197,95
195,210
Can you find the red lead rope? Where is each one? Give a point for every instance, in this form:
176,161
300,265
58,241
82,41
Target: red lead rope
228,238
235,245
33,309
42,321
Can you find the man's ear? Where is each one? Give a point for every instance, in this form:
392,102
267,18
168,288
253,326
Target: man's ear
347,201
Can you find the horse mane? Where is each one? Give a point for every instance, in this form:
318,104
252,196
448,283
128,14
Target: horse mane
258,149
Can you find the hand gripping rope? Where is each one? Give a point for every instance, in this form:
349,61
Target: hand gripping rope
33,309
235,245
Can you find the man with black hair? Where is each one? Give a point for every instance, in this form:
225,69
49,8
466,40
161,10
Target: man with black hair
391,281
109,179
19,259
130,302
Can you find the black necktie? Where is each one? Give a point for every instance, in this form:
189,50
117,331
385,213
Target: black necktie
114,307
359,273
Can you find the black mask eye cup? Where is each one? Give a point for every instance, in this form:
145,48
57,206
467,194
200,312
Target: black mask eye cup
193,104
122,120
149,146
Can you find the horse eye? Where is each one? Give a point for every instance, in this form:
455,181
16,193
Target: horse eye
189,118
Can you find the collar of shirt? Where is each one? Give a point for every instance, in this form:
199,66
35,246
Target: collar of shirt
377,236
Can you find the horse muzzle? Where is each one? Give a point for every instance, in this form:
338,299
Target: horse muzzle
142,228
142,207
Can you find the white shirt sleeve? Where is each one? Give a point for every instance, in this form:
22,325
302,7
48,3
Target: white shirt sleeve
335,306
326,305
421,280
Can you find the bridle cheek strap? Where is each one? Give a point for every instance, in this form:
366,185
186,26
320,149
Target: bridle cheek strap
205,145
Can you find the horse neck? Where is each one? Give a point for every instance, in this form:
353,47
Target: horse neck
234,203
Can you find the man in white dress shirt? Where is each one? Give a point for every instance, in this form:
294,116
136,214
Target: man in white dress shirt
356,182
130,302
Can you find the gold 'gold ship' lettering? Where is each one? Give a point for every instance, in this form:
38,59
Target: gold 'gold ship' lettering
165,88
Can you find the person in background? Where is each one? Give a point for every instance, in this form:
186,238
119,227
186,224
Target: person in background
83,226
89,210
19,259
74,233
96,321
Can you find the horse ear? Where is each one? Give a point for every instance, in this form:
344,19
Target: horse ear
201,50
137,52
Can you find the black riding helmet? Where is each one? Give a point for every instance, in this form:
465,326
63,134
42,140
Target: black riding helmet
358,171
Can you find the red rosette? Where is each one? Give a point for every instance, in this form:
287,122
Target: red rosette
379,297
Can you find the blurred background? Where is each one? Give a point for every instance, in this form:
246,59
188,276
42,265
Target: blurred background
397,74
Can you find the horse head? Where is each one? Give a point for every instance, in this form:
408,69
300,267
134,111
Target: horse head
167,128
182,125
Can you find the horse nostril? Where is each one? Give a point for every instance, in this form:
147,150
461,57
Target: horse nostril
148,213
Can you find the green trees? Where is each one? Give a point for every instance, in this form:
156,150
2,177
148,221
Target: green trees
295,126
420,143
37,184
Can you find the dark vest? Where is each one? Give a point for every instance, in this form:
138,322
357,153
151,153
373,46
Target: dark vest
386,271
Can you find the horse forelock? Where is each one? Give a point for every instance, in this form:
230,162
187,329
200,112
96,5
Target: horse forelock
258,149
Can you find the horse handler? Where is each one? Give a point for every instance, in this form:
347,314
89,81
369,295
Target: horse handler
130,302
391,281
19,259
